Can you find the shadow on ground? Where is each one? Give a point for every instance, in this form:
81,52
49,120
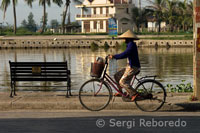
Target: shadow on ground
184,107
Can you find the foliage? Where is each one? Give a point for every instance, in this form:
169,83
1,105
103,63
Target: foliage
30,25
182,87
193,98
54,23
177,14
123,46
4,6
106,45
94,46
24,23
46,20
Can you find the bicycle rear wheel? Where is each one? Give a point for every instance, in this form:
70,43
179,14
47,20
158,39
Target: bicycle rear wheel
95,95
152,95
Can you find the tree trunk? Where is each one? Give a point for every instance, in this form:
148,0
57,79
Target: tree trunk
183,27
15,18
64,15
138,28
159,26
44,17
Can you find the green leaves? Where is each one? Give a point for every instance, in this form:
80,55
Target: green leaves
180,88
4,6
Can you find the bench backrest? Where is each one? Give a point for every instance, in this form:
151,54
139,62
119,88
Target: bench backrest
39,71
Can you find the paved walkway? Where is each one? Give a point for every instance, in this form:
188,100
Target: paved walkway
57,101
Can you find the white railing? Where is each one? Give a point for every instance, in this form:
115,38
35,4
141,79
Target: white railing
121,1
94,16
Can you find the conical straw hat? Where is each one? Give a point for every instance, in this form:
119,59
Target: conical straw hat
128,34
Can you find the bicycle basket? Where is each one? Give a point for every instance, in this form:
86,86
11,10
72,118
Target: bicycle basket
96,69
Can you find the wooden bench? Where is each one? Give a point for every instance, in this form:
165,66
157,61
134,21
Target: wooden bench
39,71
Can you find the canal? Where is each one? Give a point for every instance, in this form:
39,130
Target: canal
170,65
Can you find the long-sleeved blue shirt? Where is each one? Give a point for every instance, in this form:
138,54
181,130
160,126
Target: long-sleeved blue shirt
131,53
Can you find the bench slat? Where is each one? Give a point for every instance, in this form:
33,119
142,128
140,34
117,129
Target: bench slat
30,68
41,71
48,71
31,65
13,63
35,75
40,79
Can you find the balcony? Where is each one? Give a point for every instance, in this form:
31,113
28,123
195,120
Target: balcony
120,1
94,16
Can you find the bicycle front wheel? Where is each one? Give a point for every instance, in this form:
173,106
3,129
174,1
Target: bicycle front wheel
95,95
152,95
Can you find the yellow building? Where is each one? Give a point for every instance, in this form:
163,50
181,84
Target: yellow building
99,11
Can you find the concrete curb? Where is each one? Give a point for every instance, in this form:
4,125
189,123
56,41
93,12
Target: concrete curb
55,101
58,101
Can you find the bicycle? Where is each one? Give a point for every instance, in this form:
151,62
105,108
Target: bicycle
96,94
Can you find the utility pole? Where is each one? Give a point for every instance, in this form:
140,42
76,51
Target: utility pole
196,57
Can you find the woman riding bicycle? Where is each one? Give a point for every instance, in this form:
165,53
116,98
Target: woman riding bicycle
124,76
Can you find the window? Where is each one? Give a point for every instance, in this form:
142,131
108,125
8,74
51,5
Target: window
107,10
94,10
95,24
101,10
101,24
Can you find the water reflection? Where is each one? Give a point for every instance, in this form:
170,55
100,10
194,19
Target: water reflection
171,65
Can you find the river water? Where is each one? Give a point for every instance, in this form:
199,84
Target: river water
170,65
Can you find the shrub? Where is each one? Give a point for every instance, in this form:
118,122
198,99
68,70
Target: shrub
123,46
94,46
106,45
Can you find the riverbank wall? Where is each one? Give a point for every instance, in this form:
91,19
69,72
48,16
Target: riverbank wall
56,42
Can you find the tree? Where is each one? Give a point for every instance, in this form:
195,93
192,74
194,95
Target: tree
171,12
4,6
64,15
158,6
29,2
139,16
31,23
48,2
186,11
24,24
44,20
54,23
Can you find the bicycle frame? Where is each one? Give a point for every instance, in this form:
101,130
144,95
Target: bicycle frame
113,84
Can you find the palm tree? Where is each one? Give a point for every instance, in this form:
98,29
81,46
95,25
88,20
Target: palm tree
4,6
48,2
185,12
64,15
139,16
171,11
158,7
29,2
67,3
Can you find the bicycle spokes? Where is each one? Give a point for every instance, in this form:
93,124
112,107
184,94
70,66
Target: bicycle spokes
94,95
151,95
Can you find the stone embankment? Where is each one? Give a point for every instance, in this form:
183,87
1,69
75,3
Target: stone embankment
82,41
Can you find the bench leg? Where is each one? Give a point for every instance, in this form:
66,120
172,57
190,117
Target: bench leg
15,90
11,85
68,87
68,92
